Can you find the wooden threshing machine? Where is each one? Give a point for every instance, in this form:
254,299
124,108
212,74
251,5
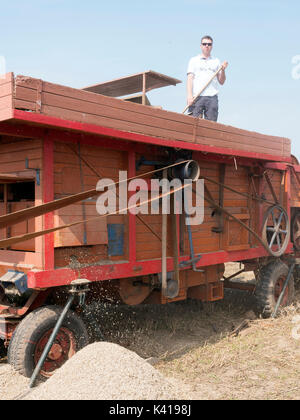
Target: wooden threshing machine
57,142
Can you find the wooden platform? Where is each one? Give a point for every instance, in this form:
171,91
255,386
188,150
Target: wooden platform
69,104
140,82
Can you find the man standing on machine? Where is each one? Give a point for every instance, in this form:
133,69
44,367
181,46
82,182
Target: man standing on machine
201,68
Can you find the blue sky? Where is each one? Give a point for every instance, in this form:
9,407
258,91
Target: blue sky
78,43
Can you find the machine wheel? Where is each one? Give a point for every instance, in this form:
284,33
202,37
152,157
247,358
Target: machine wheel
271,279
276,230
31,336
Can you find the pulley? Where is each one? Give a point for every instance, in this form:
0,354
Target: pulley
188,170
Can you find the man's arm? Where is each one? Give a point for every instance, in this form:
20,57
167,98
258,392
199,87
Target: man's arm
221,75
190,81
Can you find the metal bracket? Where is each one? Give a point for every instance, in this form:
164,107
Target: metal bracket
79,287
194,259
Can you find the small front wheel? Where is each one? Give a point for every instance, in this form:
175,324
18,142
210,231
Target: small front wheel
32,334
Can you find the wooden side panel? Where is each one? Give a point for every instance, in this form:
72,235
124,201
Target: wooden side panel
91,233
77,105
205,239
148,245
79,168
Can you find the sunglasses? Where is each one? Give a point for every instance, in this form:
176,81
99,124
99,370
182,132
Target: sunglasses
207,44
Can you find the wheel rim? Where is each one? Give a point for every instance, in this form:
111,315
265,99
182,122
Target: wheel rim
63,348
276,230
278,289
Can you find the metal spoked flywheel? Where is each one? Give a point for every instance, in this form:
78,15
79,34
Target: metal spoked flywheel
276,230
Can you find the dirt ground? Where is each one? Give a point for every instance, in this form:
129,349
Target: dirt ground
197,346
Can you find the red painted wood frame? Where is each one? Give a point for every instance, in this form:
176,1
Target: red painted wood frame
64,276
132,217
48,195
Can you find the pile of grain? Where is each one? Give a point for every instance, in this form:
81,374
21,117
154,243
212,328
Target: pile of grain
105,371
11,383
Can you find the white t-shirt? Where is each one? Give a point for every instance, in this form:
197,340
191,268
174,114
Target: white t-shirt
203,69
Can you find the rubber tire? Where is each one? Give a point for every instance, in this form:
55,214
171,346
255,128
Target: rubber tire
30,330
265,293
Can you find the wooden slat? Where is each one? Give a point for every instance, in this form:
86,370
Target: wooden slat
246,145
25,94
26,105
20,166
111,123
20,145
238,139
88,151
103,161
7,177
110,112
20,156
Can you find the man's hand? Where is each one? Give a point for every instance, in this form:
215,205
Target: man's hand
224,65
221,75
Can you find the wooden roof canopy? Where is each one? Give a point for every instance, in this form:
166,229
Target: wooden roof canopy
140,82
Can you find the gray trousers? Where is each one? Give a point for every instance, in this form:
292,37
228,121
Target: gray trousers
205,107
